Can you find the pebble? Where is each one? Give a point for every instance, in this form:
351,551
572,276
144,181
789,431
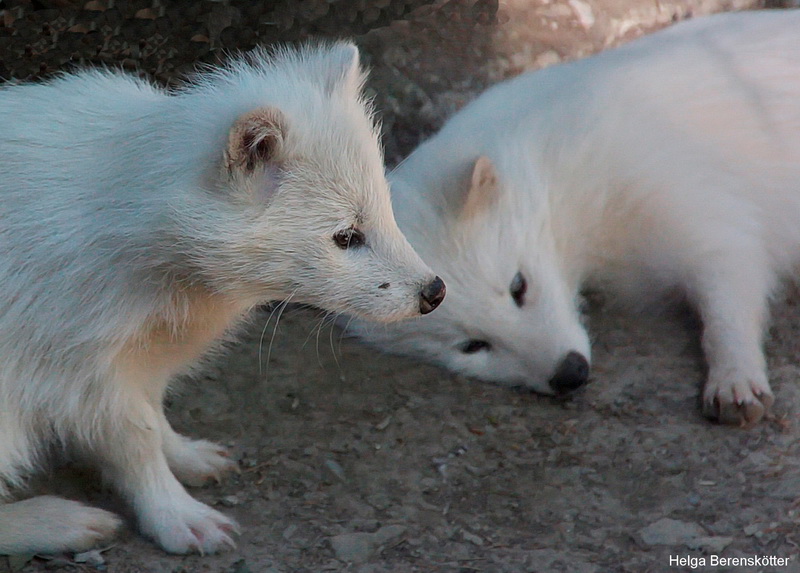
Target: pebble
230,501
668,531
91,558
472,538
584,13
335,470
752,529
289,532
18,562
240,566
358,547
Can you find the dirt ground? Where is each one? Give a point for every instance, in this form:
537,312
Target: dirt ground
354,461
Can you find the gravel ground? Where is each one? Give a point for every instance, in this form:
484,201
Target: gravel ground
351,461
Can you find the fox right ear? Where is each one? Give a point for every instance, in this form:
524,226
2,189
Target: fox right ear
255,139
343,67
483,189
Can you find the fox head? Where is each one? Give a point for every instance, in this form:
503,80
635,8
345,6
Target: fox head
512,313
299,206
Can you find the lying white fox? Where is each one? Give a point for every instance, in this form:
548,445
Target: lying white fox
136,227
671,162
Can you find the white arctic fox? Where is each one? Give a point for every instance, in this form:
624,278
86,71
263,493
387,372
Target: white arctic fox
136,227
671,162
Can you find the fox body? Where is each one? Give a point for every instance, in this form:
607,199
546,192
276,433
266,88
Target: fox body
138,226
671,163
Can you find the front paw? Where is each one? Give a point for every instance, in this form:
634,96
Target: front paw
183,525
739,400
196,462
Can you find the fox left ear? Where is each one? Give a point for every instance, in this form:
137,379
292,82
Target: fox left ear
255,140
343,67
483,189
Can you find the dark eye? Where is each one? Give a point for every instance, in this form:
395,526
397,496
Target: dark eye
473,346
518,288
349,238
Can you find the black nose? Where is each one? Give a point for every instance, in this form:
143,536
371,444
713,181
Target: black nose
431,295
572,373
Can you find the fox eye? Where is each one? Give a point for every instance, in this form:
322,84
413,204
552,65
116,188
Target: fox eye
349,238
518,288
474,345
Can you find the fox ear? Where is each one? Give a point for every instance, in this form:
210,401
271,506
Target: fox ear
483,189
343,67
255,140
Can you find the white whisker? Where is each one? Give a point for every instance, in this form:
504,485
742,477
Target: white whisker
280,308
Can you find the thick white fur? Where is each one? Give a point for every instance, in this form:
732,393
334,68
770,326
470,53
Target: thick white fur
138,226
671,162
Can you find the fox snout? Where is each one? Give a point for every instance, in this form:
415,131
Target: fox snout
431,295
571,373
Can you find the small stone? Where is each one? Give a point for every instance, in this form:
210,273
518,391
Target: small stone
380,500
710,544
92,558
18,562
472,538
145,14
240,567
353,547
429,484
389,533
335,470
668,531
360,546
79,29
548,58
230,501
752,529
59,563
289,532
584,13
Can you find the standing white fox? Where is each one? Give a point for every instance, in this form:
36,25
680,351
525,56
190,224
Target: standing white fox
136,227
671,162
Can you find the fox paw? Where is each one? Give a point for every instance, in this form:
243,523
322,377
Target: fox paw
742,402
188,526
49,524
92,527
195,462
